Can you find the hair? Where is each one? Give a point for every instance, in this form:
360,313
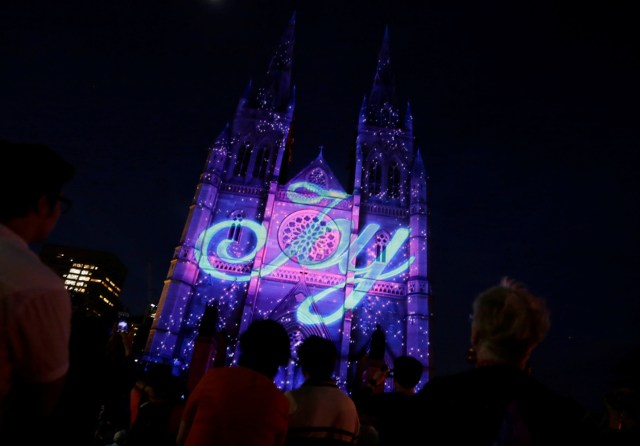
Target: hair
407,371
35,170
165,384
509,320
317,357
264,347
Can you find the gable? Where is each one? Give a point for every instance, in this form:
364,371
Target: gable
320,177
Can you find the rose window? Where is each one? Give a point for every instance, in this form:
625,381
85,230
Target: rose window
317,176
308,237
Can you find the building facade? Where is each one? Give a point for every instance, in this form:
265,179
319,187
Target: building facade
93,278
303,250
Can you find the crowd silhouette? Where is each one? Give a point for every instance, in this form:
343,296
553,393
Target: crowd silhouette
497,401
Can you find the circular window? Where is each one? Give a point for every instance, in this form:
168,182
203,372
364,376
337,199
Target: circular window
317,176
308,237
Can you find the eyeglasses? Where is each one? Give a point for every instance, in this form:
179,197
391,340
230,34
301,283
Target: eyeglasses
65,204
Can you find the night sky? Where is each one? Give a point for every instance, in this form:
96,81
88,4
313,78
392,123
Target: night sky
526,116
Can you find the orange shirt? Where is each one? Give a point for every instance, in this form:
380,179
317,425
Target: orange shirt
236,406
135,399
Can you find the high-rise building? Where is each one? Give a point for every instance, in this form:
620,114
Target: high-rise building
94,278
303,250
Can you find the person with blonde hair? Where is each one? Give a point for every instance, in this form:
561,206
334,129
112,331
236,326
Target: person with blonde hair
498,401
507,324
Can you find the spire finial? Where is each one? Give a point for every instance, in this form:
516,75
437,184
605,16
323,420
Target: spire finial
274,93
382,109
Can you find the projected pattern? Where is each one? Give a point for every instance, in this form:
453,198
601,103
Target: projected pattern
306,253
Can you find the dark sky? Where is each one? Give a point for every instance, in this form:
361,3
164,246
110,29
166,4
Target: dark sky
527,118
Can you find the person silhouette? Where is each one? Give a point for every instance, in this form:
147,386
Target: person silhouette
386,411
241,405
35,307
498,401
320,412
155,400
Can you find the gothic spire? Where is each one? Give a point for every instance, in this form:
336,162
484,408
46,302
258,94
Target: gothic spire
383,80
281,60
418,164
246,95
357,182
218,152
408,120
362,120
274,94
382,109
418,179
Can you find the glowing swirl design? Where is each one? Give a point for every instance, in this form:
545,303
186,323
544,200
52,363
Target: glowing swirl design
315,240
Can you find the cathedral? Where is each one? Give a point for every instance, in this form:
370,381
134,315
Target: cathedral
302,249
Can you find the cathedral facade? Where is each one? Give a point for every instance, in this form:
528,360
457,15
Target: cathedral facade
303,250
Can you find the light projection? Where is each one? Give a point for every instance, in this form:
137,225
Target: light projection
302,250
205,240
313,239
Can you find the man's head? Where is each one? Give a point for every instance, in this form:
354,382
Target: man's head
264,347
32,177
407,372
317,357
508,322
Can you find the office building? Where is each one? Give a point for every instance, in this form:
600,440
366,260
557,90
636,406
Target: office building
94,278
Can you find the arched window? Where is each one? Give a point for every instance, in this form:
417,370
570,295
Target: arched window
394,180
242,163
272,163
382,240
262,163
375,178
235,229
230,163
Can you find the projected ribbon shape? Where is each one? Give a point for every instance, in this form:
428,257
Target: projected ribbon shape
364,277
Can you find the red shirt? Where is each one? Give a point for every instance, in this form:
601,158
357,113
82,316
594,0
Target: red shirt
236,406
